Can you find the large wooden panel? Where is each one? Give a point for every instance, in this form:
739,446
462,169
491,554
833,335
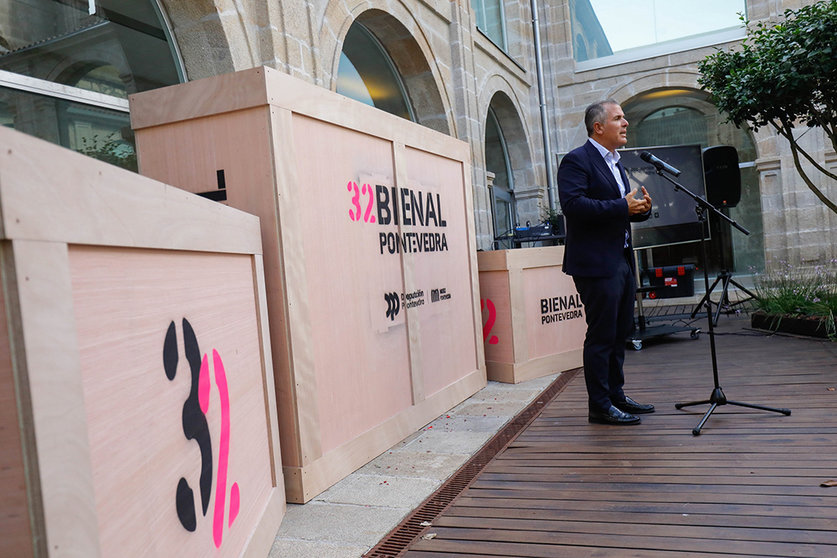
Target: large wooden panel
440,267
367,224
135,411
363,377
139,416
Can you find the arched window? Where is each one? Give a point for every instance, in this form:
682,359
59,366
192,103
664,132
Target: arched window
367,74
671,125
68,66
682,117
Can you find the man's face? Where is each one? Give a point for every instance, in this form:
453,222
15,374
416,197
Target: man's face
613,133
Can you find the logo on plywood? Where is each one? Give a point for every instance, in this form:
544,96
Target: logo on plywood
561,309
438,295
393,305
413,299
196,427
399,207
491,318
395,302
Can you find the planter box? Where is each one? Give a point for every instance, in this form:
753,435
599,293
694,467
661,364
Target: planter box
137,413
810,327
533,319
370,257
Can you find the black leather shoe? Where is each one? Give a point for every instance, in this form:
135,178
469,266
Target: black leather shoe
631,406
611,416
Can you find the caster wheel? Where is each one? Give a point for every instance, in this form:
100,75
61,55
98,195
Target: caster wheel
695,333
637,343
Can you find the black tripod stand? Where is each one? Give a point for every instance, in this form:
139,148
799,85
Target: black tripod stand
725,279
717,398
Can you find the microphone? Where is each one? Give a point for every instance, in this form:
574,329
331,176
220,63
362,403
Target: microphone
658,163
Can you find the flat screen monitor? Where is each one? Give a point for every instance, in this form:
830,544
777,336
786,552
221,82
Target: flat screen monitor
673,217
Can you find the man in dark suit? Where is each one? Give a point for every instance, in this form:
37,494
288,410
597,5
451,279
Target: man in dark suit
598,206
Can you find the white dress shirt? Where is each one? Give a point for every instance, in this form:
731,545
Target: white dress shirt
611,158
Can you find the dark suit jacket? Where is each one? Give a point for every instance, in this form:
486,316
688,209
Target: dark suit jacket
595,212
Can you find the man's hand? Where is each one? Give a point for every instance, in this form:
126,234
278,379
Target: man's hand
636,205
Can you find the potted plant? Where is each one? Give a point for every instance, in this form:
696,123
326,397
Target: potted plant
555,221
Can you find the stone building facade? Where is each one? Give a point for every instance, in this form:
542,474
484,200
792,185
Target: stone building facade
796,227
452,71
465,78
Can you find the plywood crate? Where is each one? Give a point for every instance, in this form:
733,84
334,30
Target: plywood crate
370,256
137,413
534,322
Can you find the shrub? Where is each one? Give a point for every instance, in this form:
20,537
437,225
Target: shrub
800,292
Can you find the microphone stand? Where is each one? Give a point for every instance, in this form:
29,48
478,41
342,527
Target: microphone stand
717,398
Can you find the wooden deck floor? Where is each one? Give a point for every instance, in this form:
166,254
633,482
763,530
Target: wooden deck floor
749,485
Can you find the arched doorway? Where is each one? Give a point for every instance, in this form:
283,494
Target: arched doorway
515,197
497,163
679,116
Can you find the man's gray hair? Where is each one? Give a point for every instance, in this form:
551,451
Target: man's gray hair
596,113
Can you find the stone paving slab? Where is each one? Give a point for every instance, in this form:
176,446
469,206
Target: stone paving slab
380,491
351,517
413,464
335,524
320,549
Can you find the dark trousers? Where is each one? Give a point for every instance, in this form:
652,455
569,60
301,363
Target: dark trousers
609,310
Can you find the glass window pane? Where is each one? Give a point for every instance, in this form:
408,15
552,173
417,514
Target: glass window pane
502,217
100,133
748,250
604,27
366,73
118,50
497,162
350,83
490,19
104,80
496,157
672,125
479,13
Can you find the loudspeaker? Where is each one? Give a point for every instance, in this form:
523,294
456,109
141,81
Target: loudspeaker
721,176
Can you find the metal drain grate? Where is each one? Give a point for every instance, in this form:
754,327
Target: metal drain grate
403,535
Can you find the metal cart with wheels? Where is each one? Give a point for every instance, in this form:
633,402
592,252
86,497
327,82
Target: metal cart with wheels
679,322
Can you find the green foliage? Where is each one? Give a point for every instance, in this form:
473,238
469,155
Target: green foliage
783,72
111,149
551,216
797,292
782,75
